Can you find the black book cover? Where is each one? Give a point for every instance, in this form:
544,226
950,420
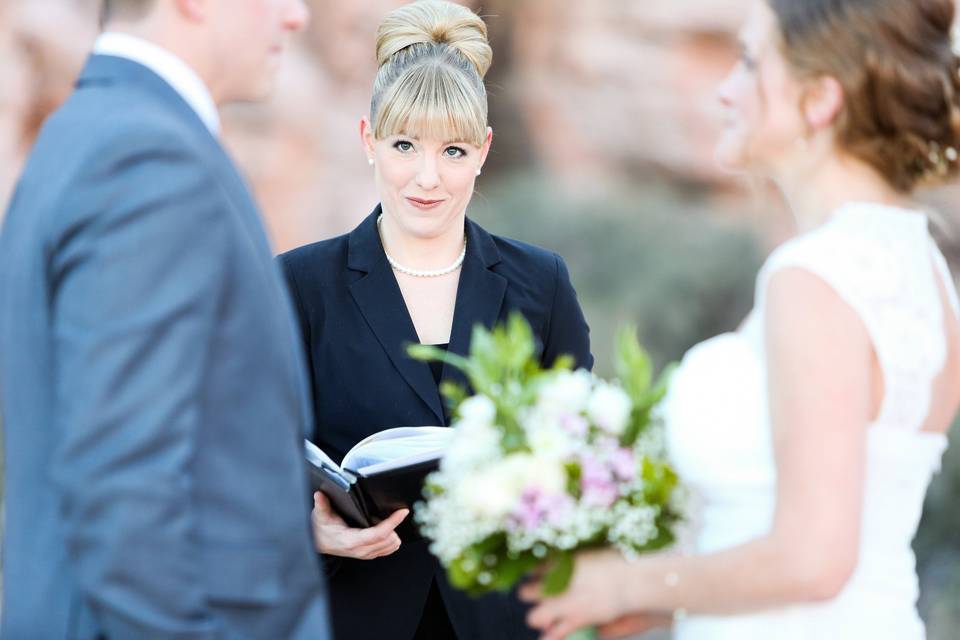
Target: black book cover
368,500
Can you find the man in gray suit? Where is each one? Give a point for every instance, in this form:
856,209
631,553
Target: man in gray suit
151,377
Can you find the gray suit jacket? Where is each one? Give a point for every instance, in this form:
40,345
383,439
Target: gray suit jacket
152,385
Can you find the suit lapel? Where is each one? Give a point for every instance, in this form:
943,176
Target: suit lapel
379,299
479,294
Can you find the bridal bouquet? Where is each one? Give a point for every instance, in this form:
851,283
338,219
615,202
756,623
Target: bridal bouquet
546,462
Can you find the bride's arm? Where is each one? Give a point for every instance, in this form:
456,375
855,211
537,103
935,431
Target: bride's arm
820,362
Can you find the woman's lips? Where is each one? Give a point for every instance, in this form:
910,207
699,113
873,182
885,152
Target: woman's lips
424,204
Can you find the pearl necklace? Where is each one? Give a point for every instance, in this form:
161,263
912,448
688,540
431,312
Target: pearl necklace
424,273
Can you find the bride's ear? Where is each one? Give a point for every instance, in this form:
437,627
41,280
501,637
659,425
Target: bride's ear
822,102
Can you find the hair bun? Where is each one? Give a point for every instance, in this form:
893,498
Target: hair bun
435,22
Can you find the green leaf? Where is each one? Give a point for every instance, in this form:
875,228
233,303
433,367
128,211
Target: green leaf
586,633
563,362
454,393
558,576
430,353
660,389
632,364
509,571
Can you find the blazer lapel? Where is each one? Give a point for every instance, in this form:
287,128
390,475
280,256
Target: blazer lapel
479,294
380,301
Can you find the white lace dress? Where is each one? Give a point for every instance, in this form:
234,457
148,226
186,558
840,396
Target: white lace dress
882,262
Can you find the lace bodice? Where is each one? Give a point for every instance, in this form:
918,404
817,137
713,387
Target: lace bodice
883,263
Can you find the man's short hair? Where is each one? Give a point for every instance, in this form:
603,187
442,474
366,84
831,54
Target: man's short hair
124,8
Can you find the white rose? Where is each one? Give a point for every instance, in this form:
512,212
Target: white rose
494,491
547,437
478,409
567,392
609,408
547,473
473,443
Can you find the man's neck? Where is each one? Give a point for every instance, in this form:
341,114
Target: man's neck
174,41
173,69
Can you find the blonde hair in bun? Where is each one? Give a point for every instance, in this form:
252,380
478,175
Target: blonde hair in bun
433,56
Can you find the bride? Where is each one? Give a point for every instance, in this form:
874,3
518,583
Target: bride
813,431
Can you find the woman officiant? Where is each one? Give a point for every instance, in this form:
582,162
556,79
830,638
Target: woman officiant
416,270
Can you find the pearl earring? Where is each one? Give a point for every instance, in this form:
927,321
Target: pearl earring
478,171
370,161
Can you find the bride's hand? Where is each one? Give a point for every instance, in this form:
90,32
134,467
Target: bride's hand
634,624
334,537
597,595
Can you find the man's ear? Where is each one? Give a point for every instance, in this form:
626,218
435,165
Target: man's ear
822,103
194,10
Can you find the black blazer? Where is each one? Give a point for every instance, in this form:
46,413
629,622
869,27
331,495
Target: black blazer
355,329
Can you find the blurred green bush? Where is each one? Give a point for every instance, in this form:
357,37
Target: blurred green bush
646,256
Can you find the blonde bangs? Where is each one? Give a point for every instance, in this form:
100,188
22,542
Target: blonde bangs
433,102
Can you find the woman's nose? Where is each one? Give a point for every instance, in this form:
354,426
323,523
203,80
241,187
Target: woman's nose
427,176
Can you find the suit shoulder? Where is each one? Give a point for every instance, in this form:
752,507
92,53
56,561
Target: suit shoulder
527,257
142,124
317,257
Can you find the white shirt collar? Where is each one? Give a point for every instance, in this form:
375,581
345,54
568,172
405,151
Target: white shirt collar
172,69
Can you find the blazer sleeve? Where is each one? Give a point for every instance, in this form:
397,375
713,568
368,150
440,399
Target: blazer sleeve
137,280
288,266
567,332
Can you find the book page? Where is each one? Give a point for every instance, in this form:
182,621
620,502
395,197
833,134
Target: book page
394,448
317,456
319,459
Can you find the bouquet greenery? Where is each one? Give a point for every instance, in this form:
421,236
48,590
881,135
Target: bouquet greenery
546,462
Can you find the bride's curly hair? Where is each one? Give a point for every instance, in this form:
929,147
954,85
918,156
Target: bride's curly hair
900,72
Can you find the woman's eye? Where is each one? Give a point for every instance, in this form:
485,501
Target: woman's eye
403,146
454,152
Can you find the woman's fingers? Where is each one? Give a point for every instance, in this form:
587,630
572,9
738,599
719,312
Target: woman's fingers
393,521
531,591
561,630
632,625
389,546
545,614
333,536
367,551
323,514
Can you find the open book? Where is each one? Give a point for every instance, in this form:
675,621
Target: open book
379,475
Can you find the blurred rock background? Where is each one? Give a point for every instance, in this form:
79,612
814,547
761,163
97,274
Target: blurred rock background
604,121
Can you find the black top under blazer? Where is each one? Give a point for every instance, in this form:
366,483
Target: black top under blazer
355,329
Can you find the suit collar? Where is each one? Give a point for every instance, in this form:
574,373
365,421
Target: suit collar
174,71
365,250
114,70
480,295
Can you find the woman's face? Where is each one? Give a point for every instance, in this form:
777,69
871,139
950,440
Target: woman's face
424,184
761,102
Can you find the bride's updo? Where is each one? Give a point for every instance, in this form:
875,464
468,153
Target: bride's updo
900,75
433,56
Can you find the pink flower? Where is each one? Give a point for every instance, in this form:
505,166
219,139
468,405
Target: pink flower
537,507
624,464
597,483
574,424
